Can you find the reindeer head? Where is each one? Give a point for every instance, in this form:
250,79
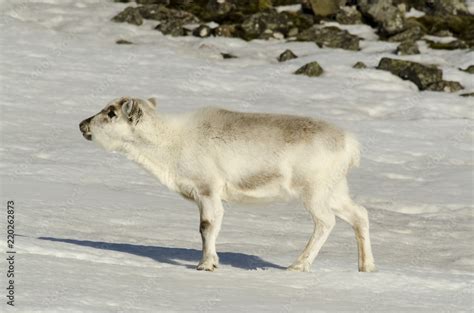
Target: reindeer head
114,125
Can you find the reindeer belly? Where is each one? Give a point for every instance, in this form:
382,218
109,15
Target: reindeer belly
258,187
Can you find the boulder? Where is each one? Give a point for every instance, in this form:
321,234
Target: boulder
287,55
298,21
226,11
413,33
443,7
349,15
164,2
311,69
256,5
285,2
469,69
325,7
202,31
451,45
220,7
421,75
445,85
129,15
162,13
461,26
407,47
359,65
225,7
171,20
384,14
331,37
171,27
226,30
263,25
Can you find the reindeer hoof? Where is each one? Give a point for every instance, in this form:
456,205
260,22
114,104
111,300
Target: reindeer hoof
208,265
299,267
368,268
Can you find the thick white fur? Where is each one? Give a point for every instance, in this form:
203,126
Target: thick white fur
214,155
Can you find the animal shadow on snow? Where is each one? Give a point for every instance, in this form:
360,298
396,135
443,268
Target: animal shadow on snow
173,255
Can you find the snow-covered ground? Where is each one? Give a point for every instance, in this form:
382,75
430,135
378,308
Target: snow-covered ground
98,234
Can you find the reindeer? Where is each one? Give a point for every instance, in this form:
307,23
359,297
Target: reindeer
214,155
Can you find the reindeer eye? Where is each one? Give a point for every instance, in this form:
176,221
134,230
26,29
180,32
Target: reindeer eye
111,114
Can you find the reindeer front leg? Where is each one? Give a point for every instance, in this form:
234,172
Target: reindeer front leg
211,214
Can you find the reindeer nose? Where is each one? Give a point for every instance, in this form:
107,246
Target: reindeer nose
84,127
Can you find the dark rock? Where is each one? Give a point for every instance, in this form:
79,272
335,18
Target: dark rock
407,47
162,13
311,69
412,33
349,15
306,7
445,85
298,20
172,20
123,42
228,55
264,24
227,10
419,5
443,7
468,94
171,27
220,7
461,26
255,5
469,69
226,31
130,15
164,2
421,75
287,55
285,2
384,14
194,7
202,31
359,65
451,45
223,11
331,37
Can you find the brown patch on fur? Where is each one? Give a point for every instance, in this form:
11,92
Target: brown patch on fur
203,226
292,129
259,179
205,191
288,129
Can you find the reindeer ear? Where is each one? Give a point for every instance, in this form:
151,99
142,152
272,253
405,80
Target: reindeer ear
153,102
127,107
132,110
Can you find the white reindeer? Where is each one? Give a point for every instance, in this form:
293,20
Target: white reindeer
214,155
